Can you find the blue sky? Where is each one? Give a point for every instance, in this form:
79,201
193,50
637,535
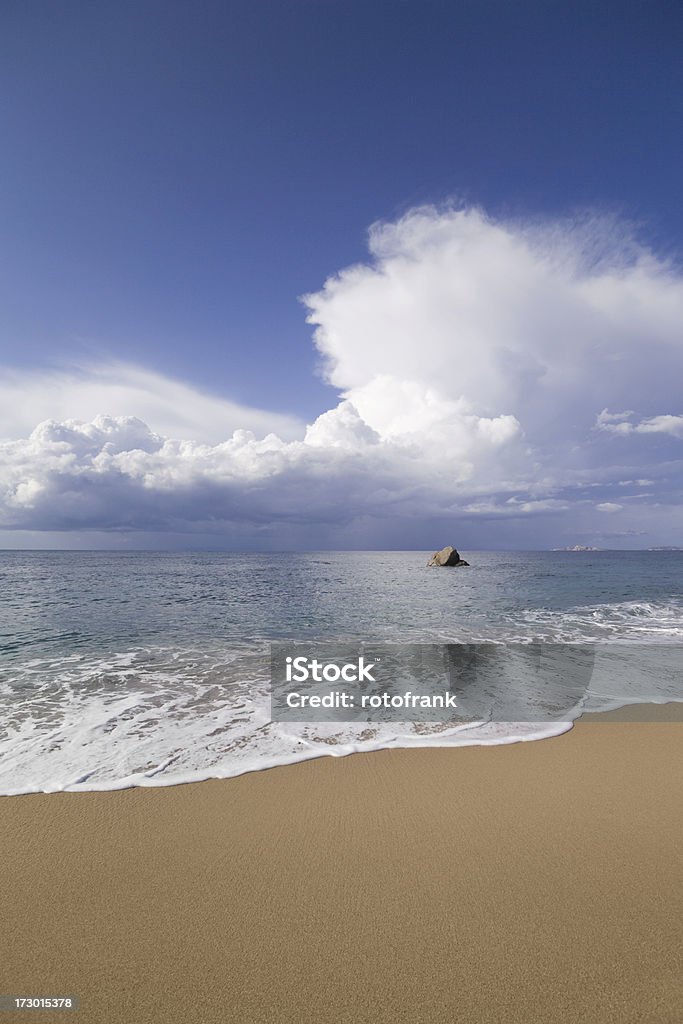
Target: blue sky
176,176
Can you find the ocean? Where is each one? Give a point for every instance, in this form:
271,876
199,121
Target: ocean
149,669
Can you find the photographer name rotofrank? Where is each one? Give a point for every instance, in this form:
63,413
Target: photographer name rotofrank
341,699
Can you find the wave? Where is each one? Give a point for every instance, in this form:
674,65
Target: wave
158,716
624,620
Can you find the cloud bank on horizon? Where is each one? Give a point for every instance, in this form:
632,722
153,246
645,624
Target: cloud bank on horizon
516,378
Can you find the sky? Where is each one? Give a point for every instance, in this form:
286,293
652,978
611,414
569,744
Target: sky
337,274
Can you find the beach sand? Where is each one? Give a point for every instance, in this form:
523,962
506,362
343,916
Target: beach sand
537,882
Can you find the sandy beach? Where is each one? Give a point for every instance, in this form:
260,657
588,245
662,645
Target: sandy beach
537,882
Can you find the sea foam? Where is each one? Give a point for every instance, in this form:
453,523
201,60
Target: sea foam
155,716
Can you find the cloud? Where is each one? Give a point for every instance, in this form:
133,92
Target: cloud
548,323
609,506
471,358
173,408
620,423
114,472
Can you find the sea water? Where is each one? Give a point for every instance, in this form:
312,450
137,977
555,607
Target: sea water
121,669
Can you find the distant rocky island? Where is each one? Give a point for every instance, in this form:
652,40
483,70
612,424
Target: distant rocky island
578,547
446,558
583,547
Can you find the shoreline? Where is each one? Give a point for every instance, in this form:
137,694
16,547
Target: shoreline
669,711
532,881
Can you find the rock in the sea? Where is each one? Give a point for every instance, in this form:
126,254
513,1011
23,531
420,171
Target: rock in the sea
446,557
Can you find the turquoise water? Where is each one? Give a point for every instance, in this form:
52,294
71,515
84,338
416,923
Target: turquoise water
152,668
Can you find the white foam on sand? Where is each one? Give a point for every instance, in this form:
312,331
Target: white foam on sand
156,717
